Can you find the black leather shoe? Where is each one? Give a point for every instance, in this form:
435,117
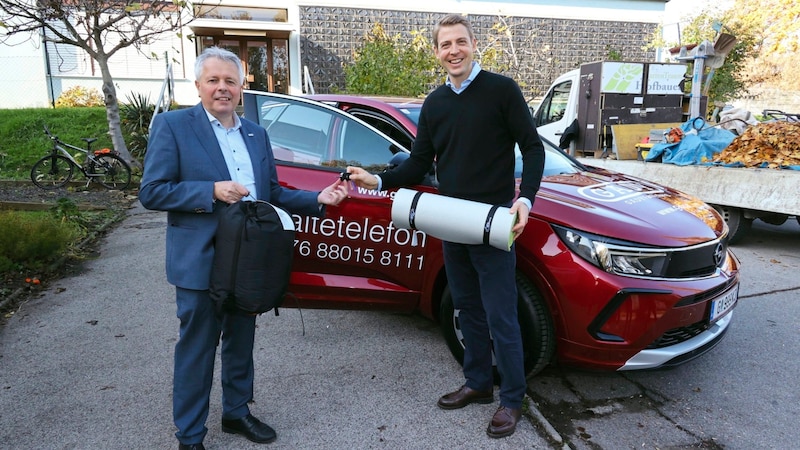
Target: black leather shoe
504,422
191,447
251,428
463,397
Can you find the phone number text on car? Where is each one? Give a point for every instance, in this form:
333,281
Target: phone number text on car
364,234
346,253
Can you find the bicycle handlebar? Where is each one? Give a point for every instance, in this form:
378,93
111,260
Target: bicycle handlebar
49,134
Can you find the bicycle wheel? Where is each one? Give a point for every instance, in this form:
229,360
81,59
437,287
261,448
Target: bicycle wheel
111,171
52,171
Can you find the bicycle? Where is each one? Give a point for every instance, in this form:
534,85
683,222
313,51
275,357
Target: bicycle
58,168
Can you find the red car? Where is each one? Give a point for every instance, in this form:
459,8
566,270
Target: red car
613,272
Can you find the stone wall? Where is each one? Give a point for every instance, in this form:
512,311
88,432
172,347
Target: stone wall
544,48
758,99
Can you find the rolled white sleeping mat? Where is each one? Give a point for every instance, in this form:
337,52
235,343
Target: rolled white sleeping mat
454,220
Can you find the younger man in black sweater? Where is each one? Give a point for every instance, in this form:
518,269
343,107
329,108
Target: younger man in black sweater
469,126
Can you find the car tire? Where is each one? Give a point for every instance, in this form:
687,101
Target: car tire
738,224
538,334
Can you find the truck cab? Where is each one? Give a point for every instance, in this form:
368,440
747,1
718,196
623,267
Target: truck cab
592,108
559,108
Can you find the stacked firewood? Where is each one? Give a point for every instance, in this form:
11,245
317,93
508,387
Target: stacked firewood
772,144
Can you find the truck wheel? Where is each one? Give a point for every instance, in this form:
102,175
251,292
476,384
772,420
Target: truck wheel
538,334
774,219
738,224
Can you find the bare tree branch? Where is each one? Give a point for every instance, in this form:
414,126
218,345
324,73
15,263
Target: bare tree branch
100,28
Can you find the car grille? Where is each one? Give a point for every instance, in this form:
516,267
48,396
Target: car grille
678,335
699,261
707,295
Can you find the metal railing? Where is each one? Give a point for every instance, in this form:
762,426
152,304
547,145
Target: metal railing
167,95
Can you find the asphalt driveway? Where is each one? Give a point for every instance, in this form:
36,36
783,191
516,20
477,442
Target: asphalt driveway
88,365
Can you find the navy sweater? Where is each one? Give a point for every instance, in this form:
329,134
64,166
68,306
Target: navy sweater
471,136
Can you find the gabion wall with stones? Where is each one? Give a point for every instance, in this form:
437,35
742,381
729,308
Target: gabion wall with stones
543,48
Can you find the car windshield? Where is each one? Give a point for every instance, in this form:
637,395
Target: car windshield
412,112
555,162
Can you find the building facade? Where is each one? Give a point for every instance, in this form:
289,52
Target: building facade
296,46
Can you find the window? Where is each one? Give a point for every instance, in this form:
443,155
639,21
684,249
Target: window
554,104
309,133
265,60
297,134
361,146
240,13
389,128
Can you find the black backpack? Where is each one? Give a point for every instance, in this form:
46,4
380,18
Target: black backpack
253,251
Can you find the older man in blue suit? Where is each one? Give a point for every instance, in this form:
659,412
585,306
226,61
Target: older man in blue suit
197,159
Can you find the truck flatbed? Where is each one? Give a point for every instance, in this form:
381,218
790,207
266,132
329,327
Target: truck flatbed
740,194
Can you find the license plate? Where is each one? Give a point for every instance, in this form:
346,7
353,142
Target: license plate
722,305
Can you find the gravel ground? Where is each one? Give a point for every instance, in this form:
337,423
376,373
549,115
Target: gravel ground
94,196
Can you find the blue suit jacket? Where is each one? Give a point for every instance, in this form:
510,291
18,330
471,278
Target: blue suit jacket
182,163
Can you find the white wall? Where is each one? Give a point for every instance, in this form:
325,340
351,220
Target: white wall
22,73
24,64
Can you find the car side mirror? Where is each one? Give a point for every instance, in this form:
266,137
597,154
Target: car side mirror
398,159
430,178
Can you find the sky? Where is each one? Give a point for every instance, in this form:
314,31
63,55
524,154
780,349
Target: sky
676,11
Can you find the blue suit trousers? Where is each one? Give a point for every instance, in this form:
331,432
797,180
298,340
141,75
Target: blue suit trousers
482,282
195,353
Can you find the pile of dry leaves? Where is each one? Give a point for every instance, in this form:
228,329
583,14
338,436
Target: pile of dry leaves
772,144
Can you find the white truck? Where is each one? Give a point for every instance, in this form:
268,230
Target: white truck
588,112
585,107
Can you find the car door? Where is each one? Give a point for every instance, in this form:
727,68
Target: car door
354,255
551,118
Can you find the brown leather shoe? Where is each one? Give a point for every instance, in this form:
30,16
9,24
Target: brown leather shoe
463,397
504,422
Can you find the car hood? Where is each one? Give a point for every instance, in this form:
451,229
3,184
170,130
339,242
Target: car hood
623,207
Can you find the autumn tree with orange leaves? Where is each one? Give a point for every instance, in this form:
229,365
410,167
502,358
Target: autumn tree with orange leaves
768,40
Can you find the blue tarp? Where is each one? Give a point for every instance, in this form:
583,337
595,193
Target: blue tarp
699,145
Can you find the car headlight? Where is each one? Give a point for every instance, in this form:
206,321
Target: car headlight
615,256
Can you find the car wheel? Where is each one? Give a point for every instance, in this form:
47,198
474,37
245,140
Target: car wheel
538,335
738,224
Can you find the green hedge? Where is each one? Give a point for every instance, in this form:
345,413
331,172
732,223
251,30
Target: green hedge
32,239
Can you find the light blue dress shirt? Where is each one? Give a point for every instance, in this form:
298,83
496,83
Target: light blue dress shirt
237,158
472,74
